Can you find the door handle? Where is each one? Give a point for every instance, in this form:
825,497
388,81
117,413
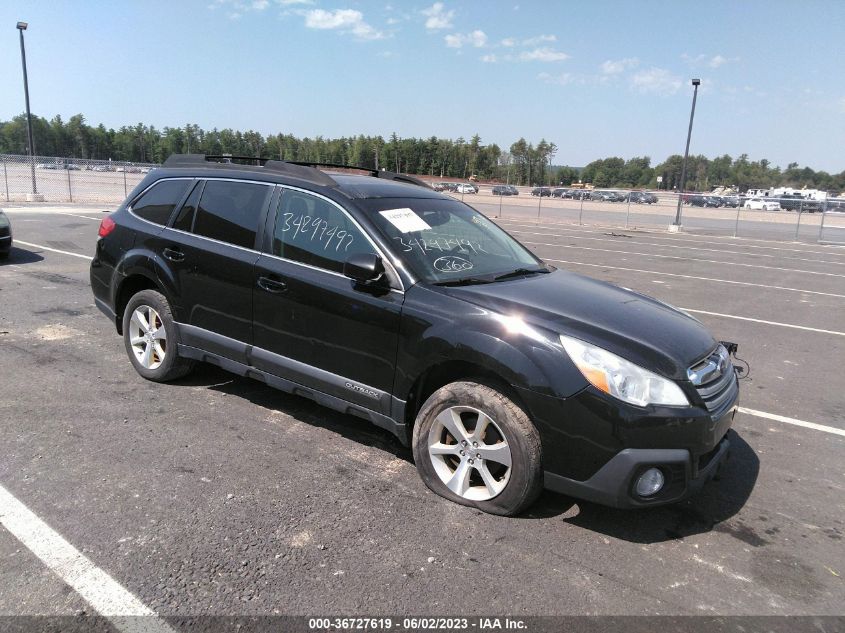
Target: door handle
173,254
272,285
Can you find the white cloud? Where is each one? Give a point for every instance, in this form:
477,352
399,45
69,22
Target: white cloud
260,5
343,20
562,79
544,54
706,60
508,42
616,67
656,80
539,39
489,59
457,40
438,17
717,61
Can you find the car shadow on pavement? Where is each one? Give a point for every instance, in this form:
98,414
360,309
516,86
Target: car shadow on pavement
21,256
718,501
302,409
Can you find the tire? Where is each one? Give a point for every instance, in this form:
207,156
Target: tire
488,483
154,351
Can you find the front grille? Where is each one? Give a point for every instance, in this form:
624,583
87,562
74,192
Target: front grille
715,380
719,392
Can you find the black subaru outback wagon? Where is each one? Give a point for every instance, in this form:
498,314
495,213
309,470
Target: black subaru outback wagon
379,297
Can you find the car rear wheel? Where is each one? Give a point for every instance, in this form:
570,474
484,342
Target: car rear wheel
149,335
474,446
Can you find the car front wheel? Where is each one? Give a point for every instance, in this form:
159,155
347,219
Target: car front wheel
149,335
475,446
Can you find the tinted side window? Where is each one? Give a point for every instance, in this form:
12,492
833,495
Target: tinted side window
315,232
229,211
185,218
158,202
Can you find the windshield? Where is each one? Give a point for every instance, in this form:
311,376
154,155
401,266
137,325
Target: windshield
446,240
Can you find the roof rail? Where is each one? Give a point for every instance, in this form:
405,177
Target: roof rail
301,172
387,175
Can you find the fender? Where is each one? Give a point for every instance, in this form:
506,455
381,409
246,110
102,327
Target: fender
143,263
437,328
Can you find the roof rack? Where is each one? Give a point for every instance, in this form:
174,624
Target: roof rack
303,170
387,175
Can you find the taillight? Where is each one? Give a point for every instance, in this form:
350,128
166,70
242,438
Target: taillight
106,226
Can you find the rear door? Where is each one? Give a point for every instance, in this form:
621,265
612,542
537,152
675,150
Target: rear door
211,249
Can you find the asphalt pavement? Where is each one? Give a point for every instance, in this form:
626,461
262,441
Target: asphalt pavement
216,495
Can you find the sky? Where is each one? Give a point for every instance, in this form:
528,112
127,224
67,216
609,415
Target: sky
596,78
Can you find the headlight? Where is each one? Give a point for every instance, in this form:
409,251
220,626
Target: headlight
621,378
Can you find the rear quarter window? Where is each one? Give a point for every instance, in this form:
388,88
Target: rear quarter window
157,203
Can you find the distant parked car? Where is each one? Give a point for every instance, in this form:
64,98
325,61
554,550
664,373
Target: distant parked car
466,187
607,196
503,190
641,197
558,193
762,205
730,201
713,201
541,191
514,191
5,235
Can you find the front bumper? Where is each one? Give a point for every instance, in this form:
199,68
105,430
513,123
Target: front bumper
596,447
613,484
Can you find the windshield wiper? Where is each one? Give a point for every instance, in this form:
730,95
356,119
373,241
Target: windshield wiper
463,281
521,271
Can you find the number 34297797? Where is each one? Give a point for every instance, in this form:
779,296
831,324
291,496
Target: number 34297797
305,227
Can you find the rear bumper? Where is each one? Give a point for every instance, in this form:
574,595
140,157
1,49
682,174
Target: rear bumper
613,484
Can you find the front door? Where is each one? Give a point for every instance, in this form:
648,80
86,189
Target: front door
312,325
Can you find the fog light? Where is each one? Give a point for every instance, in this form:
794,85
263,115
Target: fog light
650,482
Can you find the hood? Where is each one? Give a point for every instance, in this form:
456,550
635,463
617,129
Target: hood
643,330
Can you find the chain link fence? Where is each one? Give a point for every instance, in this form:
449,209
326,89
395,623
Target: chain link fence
787,218
50,179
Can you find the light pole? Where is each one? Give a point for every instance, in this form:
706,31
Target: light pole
696,83
21,28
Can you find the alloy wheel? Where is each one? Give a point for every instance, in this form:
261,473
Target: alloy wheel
470,453
147,337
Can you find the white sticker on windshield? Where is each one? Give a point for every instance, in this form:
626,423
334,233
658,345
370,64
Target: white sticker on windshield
405,220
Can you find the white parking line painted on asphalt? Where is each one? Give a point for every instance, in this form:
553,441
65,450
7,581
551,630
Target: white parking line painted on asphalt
713,279
105,595
74,215
739,242
742,318
53,250
616,240
691,259
794,421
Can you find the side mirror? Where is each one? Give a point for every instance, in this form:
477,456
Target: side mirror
363,267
